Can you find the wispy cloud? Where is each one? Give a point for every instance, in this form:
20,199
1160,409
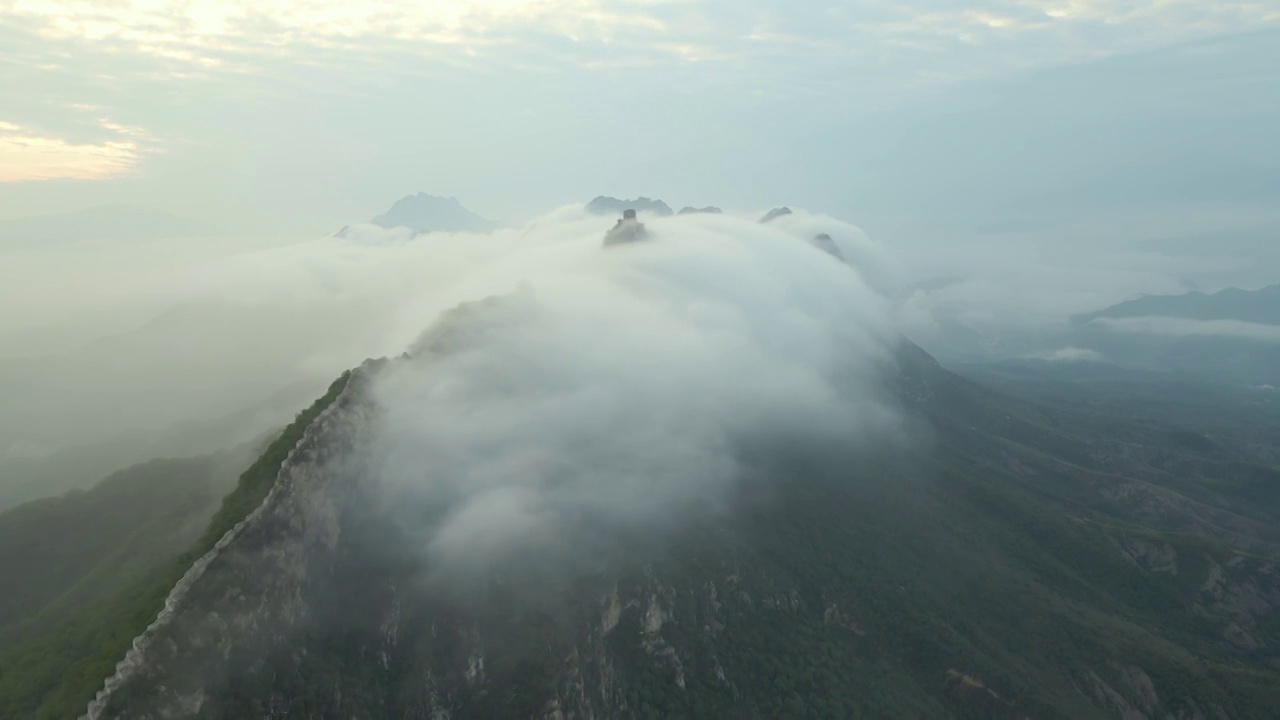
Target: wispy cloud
1181,327
137,58
28,154
1070,355
211,33
217,33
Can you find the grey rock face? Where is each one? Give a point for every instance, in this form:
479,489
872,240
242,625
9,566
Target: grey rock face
823,242
775,213
627,230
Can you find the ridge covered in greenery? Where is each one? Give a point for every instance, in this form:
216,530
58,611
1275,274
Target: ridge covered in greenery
53,674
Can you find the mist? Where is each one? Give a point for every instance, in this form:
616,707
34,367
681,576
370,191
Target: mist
126,350
598,394
184,351
1016,184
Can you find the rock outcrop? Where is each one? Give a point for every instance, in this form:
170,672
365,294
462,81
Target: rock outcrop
775,213
824,243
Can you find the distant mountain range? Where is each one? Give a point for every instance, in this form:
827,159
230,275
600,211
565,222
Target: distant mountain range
604,205
1229,336
430,213
1255,306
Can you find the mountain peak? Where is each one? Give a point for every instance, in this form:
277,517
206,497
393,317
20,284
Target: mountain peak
605,205
775,213
1257,306
432,213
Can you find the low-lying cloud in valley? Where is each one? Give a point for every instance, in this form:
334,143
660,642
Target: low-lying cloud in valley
1185,327
1071,355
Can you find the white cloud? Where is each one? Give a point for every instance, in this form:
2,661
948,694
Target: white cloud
1071,355
216,33
201,338
213,32
608,391
1182,327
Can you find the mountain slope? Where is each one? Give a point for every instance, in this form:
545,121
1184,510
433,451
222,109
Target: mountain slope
1021,562
76,549
54,672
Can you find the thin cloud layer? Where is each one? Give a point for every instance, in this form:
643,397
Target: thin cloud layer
128,55
206,32
27,155
1071,355
1182,327
213,34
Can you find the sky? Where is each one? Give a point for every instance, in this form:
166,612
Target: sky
310,113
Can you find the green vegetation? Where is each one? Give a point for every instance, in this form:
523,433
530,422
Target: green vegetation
257,481
112,595
76,549
965,571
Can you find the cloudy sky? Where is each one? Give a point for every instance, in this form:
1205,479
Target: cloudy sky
316,111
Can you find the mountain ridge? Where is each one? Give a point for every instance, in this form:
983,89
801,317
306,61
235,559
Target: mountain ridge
605,205
992,455
1258,306
1016,560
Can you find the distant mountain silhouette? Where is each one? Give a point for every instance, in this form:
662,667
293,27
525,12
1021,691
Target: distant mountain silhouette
604,205
429,213
1257,306
689,210
1228,336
